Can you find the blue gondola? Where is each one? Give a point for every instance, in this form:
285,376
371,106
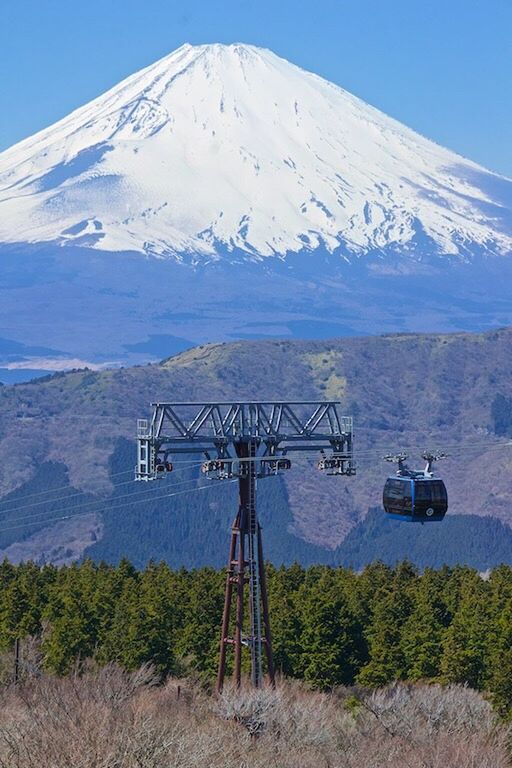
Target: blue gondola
415,496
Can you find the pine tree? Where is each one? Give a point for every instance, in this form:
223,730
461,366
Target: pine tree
284,584
143,625
423,632
391,608
329,634
500,664
499,640
72,616
198,642
464,646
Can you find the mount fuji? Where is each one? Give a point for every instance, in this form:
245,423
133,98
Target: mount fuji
223,192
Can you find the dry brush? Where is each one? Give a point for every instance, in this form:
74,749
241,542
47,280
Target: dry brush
108,718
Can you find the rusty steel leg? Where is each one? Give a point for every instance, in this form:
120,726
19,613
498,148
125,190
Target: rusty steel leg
235,532
237,674
246,564
266,616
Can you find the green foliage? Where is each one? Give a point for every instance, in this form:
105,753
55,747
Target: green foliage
23,594
329,632
391,606
330,626
199,640
500,663
464,646
284,587
424,628
73,613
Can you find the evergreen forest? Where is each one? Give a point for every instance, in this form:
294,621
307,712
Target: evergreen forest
331,626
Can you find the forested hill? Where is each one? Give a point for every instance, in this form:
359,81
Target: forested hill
69,439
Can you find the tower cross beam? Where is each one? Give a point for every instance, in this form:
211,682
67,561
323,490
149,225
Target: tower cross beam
281,421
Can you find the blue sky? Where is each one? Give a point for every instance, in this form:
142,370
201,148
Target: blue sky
444,67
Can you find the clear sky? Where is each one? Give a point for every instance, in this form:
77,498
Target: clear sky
443,67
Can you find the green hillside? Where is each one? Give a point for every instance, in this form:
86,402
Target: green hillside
74,433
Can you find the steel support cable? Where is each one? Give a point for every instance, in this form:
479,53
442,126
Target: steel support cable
115,474
462,444
54,490
463,439
362,456
374,451
151,490
79,493
365,455
455,448
480,435
40,518
121,506
450,454
65,498
115,508
23,507
53,500
460,447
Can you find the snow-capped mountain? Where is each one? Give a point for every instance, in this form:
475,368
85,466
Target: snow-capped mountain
228,149
225,193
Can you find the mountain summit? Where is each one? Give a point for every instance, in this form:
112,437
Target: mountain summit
218,151
225,193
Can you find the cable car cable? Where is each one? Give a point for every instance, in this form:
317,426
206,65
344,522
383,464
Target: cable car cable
151,490
79,493
122,506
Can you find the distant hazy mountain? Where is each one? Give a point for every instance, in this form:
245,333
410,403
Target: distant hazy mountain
225,192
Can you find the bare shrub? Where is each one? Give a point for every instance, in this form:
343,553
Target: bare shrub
290,713
428,725
108,718
30,661
430,708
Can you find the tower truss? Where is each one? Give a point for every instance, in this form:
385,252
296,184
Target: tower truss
245,441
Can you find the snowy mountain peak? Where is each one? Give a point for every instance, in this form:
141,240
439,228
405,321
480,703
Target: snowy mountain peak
219,149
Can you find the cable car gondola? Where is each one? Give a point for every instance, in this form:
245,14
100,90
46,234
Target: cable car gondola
415,496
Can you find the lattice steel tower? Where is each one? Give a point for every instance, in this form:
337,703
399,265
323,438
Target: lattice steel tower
245,441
